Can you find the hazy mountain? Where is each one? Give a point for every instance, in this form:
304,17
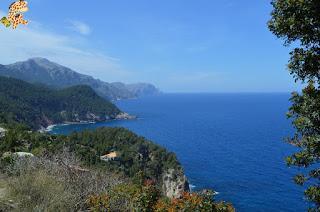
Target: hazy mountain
143,89
40,70
138,89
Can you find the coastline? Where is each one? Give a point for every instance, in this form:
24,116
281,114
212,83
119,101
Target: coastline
49,128
52,126
121,116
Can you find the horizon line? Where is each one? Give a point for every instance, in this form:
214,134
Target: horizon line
227,92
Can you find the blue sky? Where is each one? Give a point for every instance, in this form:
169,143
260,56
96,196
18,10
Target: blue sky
179,45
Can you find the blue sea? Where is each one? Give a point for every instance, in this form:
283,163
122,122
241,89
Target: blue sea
231,143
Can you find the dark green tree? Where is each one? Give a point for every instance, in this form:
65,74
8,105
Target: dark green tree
297,22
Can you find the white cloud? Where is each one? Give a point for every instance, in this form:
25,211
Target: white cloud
79,27
35,41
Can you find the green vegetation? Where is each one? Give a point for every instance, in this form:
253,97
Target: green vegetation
67,173
147,198
42,185
52,184
298,23
37,106
135,154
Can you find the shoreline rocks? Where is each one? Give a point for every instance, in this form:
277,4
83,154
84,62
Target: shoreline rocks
2,132
125,116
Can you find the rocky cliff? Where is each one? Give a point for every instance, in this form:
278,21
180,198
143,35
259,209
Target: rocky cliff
174,183
138,89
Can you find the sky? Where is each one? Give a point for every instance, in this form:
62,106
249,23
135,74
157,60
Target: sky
178,45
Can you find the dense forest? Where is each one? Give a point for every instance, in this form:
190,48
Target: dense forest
135,153
36,105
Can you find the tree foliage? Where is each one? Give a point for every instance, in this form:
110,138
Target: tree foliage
297,22
135,153
138,158
67,173
147,198
35,106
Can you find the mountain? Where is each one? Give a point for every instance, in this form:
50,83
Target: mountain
38,106
43,71
143,89
138,89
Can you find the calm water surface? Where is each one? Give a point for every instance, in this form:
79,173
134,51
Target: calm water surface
232,143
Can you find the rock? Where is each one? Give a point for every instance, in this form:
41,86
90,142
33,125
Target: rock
143,89
17,155
92,117
23,154
125,116
174,183
2,132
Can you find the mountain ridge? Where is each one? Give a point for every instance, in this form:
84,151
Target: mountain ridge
43,71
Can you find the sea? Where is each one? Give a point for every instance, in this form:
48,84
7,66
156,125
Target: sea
231,143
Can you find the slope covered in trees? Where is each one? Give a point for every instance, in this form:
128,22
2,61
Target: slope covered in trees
36,106
134,154
68,174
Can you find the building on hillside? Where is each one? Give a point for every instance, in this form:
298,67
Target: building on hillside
109,157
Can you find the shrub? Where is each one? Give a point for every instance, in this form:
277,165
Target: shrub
55,184
36,190
98,202
192,202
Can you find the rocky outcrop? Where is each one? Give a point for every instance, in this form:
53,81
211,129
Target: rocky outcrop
2,132
174,183
137,89
125,116
143,89
23,154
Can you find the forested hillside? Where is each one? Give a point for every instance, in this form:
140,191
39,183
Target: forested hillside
38,106
68,173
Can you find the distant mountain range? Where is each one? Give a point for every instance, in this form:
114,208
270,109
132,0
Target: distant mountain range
43,71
